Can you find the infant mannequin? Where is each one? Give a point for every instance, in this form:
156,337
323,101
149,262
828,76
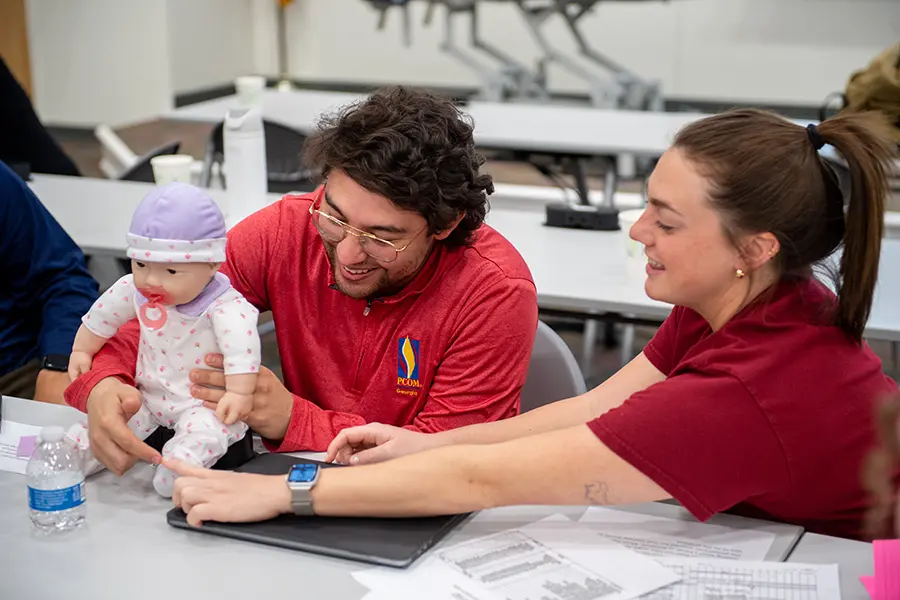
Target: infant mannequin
186,310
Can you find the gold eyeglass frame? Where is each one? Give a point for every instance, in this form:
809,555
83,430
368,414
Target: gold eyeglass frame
347,228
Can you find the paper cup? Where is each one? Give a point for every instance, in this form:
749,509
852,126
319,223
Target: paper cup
249,90
633,250
171,167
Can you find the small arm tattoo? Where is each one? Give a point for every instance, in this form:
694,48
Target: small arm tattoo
597,493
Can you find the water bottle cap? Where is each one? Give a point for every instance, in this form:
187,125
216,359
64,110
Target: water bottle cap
53,433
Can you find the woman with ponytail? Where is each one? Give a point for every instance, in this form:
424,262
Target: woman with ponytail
755,396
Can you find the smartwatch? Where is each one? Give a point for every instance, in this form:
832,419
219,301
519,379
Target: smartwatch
301,479
55,362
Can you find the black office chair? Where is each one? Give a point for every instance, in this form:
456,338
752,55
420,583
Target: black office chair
284,170
141,170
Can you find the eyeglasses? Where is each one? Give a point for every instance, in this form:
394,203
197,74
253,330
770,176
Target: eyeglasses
334,231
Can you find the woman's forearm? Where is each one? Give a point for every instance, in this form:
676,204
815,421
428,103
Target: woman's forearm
633,377
435,482
558,415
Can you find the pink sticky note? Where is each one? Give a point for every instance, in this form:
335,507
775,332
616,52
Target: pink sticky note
26,446
887,568
868,582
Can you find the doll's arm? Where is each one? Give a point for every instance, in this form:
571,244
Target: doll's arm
112,310
234,322
237,402
85,346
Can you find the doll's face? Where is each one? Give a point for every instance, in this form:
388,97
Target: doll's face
177,283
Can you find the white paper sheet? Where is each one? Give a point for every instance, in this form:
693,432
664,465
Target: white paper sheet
11,434
660,536
710,579
553,559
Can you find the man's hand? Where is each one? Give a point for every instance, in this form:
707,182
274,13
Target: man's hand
109,407
50,386
272,403
376,442
234,407
79,364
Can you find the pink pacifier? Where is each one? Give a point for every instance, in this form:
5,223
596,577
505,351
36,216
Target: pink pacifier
156,300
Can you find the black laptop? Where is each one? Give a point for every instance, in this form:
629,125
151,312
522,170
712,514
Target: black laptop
389,542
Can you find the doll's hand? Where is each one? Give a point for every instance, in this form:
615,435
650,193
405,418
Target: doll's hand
79,364
234,407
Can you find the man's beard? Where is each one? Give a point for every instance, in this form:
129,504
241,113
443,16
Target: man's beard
356,291
385,285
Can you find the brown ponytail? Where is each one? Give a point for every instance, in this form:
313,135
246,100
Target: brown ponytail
766,175
868,158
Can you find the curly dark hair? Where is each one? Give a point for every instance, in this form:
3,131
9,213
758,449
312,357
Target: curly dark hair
412,147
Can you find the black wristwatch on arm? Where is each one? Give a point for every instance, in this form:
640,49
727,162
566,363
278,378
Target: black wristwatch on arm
55,362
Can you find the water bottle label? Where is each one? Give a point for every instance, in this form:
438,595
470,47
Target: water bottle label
54,500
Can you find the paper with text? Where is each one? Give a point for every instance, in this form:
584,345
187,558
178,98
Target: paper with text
553,559
716,579
13,457
661,536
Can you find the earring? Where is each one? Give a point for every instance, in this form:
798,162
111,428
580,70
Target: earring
740,273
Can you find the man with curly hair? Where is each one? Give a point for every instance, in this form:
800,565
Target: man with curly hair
394,302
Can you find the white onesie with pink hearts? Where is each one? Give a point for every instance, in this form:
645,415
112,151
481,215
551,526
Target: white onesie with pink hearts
221,321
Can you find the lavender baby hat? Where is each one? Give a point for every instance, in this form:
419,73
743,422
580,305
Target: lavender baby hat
177,223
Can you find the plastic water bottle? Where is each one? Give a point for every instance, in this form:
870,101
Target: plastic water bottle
246,174
55,483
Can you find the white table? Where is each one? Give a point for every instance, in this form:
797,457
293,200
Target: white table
128,550
574,131
299,109
97,213
511,126
855,559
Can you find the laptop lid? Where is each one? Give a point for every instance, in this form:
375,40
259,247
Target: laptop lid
388,542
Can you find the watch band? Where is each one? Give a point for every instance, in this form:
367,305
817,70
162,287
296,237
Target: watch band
55,362
302,506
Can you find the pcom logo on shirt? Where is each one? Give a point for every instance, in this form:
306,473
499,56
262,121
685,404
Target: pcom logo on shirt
408,366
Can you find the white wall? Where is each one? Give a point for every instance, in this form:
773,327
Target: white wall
791,51
783,51
265,37
122,61
210,42
98,61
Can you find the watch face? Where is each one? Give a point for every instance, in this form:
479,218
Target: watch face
303,473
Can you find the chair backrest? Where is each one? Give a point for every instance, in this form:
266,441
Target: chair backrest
553,373
141,170
283,165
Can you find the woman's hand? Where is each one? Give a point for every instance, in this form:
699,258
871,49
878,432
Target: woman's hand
228,497
376,442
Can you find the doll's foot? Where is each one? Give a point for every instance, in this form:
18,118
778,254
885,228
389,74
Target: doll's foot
78,436
164,481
